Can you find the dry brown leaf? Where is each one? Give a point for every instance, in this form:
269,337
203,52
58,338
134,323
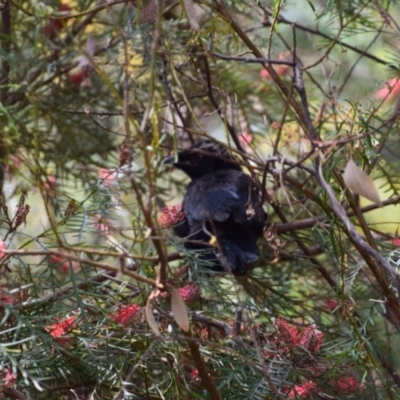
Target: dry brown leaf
179,310
360,183
150,318
191,14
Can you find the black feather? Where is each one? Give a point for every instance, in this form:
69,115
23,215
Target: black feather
221,201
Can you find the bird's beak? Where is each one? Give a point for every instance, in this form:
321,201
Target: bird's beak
169,160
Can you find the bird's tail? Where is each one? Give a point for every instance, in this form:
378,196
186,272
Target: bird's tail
224,246
235,249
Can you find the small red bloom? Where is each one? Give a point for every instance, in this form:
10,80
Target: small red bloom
390,91
331,304
194,375
396,241
50,186
7,379
84,69
61,328
79,77
63,264
54,25
108,176
16,161
2,248
281,70
303,390
347,384
171,215
245,139
311,339
190,292
126,314
290,334
103,225
5,300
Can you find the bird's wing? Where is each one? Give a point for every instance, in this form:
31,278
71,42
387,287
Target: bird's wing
211,203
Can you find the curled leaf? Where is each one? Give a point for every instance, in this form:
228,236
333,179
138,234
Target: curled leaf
360,183
179,310
150,318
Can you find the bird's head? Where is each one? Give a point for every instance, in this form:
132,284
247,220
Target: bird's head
202,158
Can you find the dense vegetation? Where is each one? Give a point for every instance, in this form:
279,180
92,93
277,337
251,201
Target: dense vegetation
97,294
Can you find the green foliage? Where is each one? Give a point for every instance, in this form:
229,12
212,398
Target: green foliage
93,96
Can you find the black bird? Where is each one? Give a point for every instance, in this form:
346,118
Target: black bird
222,206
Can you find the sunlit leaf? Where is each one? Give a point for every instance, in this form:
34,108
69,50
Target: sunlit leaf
360,183
179,310
150,319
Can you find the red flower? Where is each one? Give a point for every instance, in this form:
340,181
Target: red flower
103,225
61,328
171,215
290,334
108,176
79,77
331,304
245,139
303,390
63,264
84,68
194,375
190,292
2,248
390,91
54,25
50,186
7,379
281,70
5,298
347,384
311,339
126,314
396,241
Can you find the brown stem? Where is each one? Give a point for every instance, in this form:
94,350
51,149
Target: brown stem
201,367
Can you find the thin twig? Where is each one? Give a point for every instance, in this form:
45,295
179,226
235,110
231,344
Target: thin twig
71,257
251,60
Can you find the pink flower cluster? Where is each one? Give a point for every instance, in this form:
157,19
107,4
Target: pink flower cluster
63,265
61,328
126,314
310,337
190,292
55,25
347,384
194,375
304,390
2,248
390,91
281,70
7,379
171,215
343,385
